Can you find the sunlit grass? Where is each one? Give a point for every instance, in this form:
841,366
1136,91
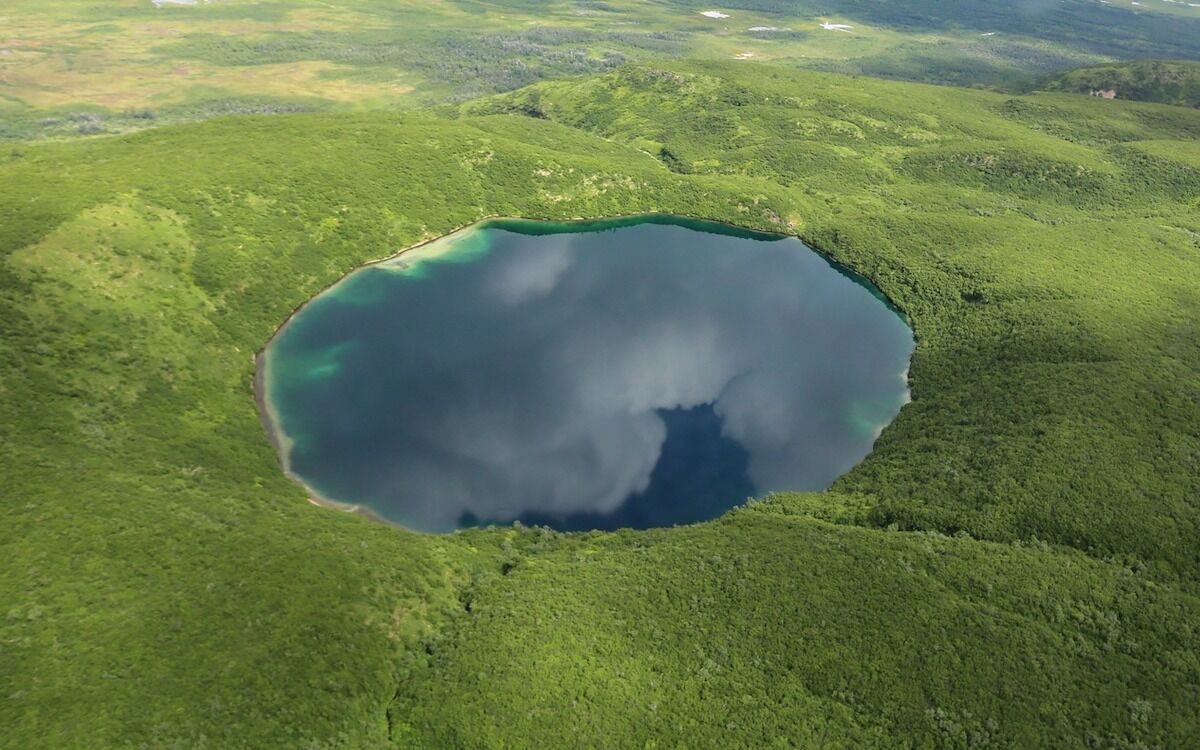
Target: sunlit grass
176,60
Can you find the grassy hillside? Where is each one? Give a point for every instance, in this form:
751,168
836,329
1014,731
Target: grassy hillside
1161,81
1014,566
70,68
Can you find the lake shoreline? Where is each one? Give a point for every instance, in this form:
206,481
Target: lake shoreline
280,441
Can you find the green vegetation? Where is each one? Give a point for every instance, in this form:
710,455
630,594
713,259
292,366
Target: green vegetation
1159,81
1014,566
69,69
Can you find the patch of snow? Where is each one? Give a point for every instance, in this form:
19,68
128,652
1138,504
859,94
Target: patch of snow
837,27
714,14
764,28
161,3
743,56
990,33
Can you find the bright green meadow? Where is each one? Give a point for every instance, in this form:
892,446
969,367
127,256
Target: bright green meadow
1015,565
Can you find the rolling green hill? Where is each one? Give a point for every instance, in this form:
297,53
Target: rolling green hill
1015,565
1165,82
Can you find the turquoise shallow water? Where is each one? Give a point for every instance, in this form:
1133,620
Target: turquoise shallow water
633,373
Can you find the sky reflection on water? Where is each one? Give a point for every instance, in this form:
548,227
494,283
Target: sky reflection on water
544,377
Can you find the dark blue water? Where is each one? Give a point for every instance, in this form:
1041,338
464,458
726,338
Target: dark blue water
634,373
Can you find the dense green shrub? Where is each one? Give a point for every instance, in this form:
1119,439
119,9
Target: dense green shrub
1015,565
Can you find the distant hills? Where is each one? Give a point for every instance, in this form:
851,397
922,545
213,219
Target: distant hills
1163,81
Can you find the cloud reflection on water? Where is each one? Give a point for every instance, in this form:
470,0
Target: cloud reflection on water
533,380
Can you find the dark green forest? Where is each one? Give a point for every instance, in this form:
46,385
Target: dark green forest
1162,81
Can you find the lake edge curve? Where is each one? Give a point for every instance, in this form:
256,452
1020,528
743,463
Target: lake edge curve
280,442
